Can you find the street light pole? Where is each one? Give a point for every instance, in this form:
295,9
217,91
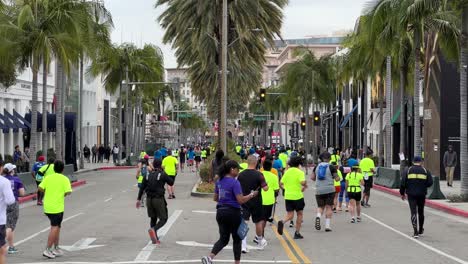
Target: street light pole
223,123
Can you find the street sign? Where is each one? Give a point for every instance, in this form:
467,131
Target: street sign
185,115
295,130
260,118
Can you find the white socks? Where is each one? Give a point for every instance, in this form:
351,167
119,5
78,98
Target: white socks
244,243
327,223
319,215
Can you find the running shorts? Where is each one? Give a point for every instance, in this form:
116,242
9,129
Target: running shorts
267,212
2,235
295,205
55,219
368,184
253,210
12,215
325,199
355,196
337,189
156,207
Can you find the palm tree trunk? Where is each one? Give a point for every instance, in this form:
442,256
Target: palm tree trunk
58,95
33,139
464,104
381,124
45,134
80,115
402,116
417,74
388,119
120,135
127,116
364,114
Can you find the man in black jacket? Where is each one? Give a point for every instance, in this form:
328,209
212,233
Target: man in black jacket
414,184
153,185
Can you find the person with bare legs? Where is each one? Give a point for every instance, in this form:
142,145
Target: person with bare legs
169,165
354,181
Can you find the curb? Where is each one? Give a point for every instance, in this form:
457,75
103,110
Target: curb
194,192
430,203
33,196
105,168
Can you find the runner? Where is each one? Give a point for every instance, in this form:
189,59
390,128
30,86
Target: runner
164,153
157,154
38,178
204,155
13,209
228,194
367,167
294,184
335,157
252,180
354,180
414,184
48,169
197,157
323,175
169,164
56,186
191,157
337,185
6,198
269,197
182,156
142,171
283,156
216,165
153,186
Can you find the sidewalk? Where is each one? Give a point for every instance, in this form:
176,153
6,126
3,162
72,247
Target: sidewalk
100,166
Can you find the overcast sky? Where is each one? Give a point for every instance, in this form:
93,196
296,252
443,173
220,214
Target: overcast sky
135,20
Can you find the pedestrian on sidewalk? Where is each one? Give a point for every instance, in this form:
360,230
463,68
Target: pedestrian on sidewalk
182,157
450,162
56,187
294,184
12,210
86,153
108,153
252,180
101,153
414,184
153,185
37,177
169,164
354,181
94,150
115,154
6,198
367,167
229,197
324,176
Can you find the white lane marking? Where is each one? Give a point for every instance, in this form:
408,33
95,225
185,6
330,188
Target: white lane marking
203,212
145,253
84,243
196,244
417,241
45,230
124,191
168,261
108,199
427,209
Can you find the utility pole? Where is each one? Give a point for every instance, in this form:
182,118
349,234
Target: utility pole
80,115
224,39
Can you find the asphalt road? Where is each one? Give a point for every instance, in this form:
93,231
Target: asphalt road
103,226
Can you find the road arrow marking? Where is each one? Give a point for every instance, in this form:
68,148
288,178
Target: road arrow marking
84,243
196,244
203,212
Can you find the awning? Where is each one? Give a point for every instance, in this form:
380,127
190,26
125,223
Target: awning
375,126
15,121
8,123
3,126
22,119
28,117
397,114
52,121
347,117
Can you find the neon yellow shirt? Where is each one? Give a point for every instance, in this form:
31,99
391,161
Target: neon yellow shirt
169,164
291,180
243,166
268,197
354,182
142,154
284,159
338,183
49,171
203,153
55,186
335,158
238,149
366,165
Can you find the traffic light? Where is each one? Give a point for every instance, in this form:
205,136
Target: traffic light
262,94
317,119
290,132
303,123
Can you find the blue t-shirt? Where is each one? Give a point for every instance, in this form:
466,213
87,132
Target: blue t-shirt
16,184
191,154
352,162
163,152
227,189
251,151
278,164
37,166
157,154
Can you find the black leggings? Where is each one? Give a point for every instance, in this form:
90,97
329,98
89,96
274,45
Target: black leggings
228,219
40,195
416,204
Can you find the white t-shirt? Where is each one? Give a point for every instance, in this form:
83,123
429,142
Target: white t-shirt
116,150
6,198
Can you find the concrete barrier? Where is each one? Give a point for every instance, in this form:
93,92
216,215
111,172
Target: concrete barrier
29,183
69,171
434,192
387,177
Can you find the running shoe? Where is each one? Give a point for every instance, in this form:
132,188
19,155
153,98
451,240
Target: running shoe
57,252
298,235
170,196
39,203
367,205
334,210
153,236
362,203
291,224
262,244
280,227
359,219
48,254
245,250
255,240
206,260
12,250
328,229
353,220
347,210
318,226
421,231
416,234
173,196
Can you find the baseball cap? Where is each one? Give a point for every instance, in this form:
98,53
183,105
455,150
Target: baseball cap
41,158
146,157
9,167
417,159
